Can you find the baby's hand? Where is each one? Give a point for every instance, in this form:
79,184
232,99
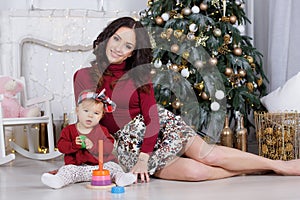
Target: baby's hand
78,140
81,140
89,144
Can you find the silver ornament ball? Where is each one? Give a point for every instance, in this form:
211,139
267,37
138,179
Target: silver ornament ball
195,9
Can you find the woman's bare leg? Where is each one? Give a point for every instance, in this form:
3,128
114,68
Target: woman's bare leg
186,169
236,160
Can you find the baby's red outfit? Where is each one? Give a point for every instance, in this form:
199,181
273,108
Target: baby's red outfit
75,155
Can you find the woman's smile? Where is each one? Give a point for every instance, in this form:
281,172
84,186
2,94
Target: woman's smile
120,45
115,54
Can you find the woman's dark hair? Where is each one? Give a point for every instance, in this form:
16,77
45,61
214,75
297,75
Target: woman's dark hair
141,56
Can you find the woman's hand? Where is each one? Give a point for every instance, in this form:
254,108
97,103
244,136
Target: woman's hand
141,167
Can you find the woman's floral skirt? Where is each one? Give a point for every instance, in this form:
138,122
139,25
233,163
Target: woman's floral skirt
173,136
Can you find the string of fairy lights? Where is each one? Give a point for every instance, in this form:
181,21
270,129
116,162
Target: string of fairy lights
49,71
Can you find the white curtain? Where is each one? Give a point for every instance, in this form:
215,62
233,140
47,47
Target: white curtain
276,36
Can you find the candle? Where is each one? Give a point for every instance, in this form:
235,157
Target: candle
224,8
100,147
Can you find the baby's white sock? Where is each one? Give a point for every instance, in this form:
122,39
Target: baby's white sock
124,179
52,181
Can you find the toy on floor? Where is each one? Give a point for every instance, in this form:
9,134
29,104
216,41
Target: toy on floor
117,190
101,177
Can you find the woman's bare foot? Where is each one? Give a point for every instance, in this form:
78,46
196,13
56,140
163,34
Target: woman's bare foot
288,168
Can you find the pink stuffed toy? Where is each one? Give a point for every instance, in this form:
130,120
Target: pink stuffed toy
9,88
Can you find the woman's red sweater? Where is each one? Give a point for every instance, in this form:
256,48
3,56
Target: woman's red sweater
129,102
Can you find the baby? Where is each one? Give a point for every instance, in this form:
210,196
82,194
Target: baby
79,144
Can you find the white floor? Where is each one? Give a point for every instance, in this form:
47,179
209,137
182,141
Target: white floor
20,180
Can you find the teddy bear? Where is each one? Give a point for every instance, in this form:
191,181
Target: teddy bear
9,88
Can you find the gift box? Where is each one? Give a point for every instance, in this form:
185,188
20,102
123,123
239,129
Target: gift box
277,135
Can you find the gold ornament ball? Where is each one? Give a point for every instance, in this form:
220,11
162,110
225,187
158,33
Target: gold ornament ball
176,104
164,103
217,32
228,71
204,96
169,32
232,19
237,51
149,3
199,64
174,48
159,20
186,11
259,81
213,61
178,33
186,55
250,59
242,73
250,87
203,6
174,67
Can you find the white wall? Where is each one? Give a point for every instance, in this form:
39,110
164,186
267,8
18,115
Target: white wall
108,5
59,22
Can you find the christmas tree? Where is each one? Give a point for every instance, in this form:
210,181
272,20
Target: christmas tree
204,67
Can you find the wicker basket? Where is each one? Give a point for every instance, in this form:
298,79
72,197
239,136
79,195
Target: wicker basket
277,135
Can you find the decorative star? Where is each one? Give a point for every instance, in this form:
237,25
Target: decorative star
215,2
201,40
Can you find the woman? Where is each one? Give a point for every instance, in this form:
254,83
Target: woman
170,149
